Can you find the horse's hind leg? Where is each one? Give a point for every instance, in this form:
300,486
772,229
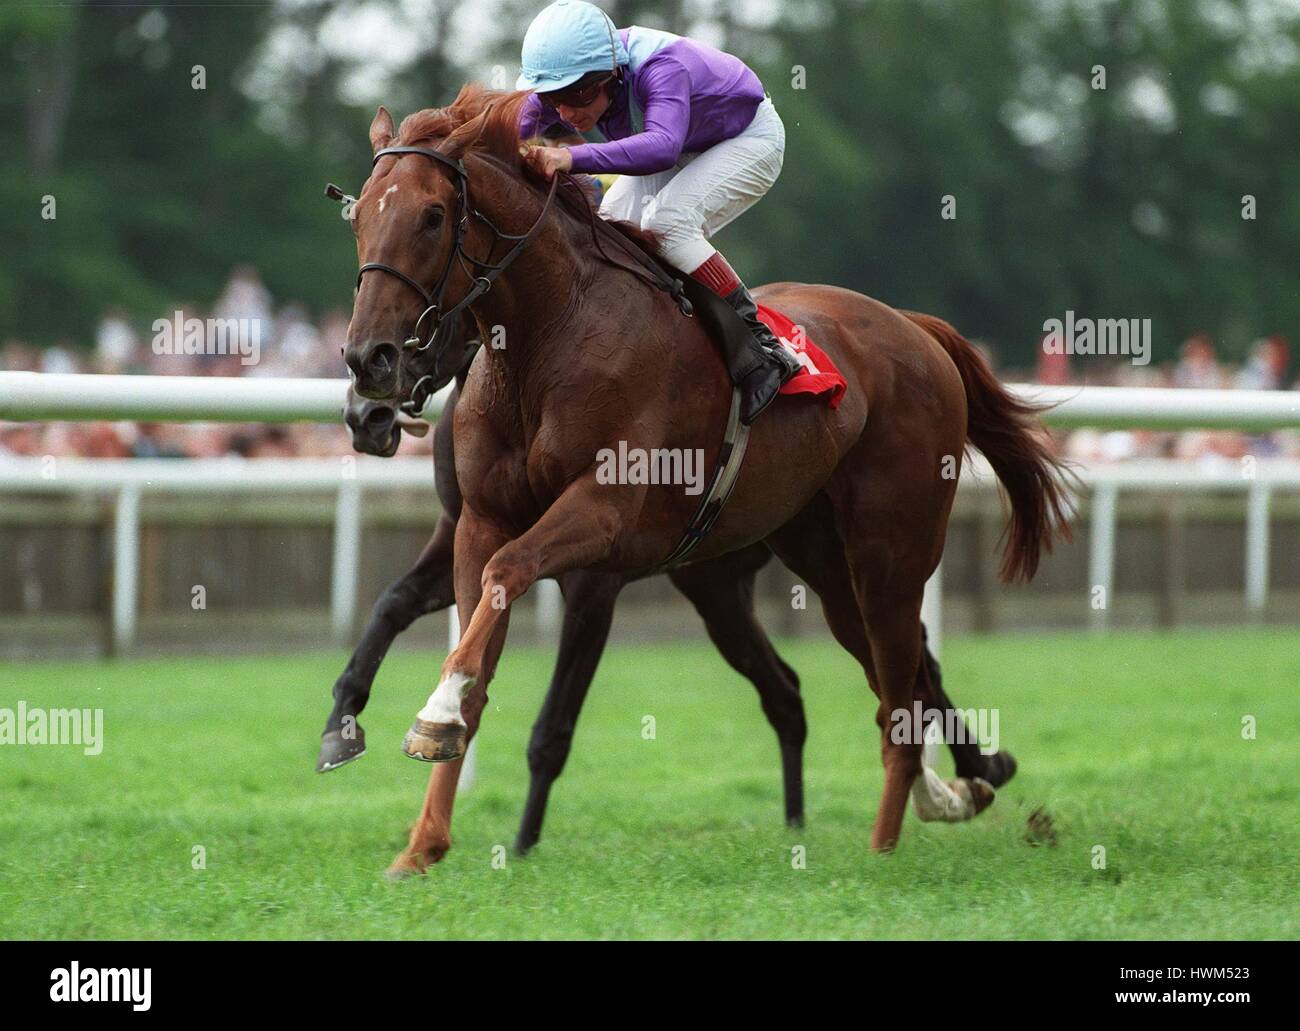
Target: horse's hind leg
722,591
812,548
426,588
588,612
889,653
970,762
894,631
890,560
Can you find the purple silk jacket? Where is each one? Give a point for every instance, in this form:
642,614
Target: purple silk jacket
692,96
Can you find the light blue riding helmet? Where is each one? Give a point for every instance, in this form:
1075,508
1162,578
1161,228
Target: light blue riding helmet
565,41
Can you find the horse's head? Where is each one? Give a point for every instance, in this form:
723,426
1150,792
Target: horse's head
409,220
428,252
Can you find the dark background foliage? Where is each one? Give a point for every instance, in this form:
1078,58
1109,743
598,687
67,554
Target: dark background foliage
1117,202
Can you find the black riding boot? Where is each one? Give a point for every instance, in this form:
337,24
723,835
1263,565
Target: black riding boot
759,388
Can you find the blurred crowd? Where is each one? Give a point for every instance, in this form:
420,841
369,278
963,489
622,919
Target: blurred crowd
291,344
288,344
1267,367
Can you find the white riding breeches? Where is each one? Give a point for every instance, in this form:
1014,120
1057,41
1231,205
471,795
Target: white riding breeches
703,192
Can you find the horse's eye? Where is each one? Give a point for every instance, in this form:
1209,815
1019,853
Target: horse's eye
433,219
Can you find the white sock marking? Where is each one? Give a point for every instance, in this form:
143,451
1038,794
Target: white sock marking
443,705
934,800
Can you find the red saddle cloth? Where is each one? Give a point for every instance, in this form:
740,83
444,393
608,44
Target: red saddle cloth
819,375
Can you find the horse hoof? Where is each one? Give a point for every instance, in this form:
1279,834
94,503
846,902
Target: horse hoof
403,867
337,750
981,793
435,742
1002,767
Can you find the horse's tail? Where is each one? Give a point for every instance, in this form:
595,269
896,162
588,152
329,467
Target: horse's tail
1007,431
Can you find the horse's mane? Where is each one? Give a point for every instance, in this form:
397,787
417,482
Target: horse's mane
500,140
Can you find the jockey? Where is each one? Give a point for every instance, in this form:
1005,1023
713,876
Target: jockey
689,128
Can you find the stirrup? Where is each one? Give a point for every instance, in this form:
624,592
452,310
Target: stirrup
778,369
789,363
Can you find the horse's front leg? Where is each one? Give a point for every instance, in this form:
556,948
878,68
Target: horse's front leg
491,572
426,588
476,542
578,530
589,599
722,591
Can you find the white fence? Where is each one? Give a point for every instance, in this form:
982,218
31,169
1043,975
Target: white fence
350,478
128,479
33,396
1258,478
46,398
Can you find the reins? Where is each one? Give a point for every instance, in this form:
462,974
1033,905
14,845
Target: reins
650,271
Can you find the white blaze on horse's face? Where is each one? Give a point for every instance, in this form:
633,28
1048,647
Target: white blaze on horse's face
384,199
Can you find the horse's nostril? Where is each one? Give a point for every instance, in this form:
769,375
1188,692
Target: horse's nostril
378,419
382,363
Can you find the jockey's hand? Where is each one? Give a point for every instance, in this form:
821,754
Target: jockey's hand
548,160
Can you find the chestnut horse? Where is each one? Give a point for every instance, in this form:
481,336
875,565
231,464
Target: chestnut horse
855,499
721,591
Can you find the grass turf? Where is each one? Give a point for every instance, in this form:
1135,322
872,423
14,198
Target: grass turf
1131,742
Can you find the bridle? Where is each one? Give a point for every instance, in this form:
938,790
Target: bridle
479,284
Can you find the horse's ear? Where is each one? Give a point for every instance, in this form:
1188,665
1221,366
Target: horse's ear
381,129
464,137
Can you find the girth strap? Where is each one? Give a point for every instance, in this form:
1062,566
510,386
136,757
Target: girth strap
731,457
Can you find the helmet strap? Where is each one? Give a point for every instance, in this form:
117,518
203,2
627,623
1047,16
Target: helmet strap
613,47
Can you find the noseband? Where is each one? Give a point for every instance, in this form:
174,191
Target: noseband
480,284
